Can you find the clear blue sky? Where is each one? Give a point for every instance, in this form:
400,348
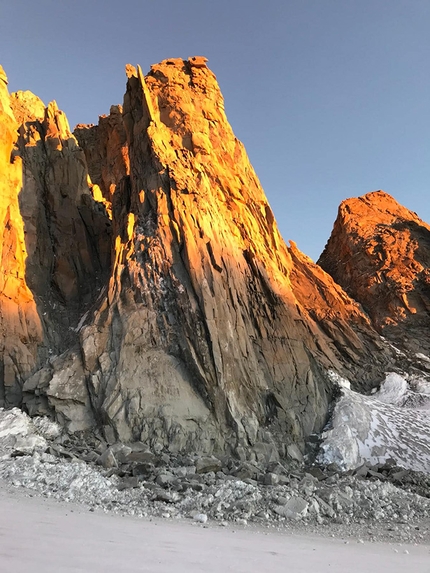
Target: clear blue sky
330,97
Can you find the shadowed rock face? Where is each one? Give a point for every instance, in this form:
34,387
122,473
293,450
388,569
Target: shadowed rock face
20,324
196,328
55,240
68,234
379,252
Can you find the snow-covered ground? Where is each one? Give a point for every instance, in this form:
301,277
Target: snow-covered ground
391,426
44,536
243,518
292,500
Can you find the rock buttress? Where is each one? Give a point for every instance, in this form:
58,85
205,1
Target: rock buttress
20,325
210,333
56,247
67,231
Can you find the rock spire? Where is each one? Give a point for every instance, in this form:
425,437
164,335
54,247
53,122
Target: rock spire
165,305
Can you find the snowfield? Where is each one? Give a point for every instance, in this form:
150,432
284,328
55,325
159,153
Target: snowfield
43,536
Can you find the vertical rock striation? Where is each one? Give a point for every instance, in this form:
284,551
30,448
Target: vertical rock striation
213,330
20,325
67,231
162,303
56,245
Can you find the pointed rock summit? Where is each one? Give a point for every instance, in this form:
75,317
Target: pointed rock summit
168,307
241,326
379,252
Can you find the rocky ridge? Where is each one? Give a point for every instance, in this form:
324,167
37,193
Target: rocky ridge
151,307
20,323
170,309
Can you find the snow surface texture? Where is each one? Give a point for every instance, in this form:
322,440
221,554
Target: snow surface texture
392,426
13,423
24,435
39,536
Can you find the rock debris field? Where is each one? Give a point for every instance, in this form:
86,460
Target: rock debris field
378,503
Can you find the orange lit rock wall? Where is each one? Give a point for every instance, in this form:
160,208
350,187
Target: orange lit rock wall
55,242
379,252
67,231
166,306
20,327
213,331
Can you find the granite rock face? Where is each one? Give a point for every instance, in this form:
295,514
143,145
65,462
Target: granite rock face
68,233
20,324
213,329
167,307
56,241
379,252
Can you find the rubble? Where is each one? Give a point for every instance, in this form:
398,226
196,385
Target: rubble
370,503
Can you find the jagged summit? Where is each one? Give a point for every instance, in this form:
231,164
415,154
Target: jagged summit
379,252
166,305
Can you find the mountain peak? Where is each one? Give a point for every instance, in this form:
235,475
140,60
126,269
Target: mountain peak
379,251
172,311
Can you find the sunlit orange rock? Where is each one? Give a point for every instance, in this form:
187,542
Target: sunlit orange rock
20,327
67,232
106,150
54,240
213,331
164,304
379,252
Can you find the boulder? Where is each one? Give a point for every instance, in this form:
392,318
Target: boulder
208,464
